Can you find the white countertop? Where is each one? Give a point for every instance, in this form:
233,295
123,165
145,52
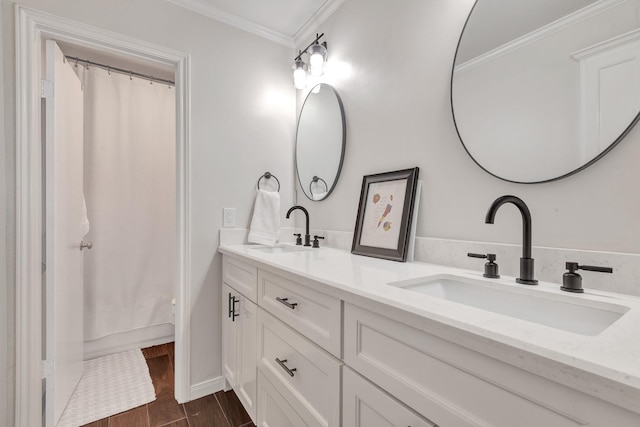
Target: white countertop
606,365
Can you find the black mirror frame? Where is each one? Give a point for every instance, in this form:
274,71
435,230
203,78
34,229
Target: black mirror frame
344,142
573,172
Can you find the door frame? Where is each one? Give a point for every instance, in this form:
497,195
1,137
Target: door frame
32,27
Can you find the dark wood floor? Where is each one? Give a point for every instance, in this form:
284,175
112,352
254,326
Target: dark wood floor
222,409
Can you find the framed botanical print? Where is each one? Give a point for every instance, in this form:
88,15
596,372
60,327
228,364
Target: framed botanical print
384,214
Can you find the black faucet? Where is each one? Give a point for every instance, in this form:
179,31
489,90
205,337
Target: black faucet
307,236
526,262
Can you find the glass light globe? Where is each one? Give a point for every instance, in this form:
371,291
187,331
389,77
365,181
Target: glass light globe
317,57
299,74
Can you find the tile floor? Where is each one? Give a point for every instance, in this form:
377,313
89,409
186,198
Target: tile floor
222,409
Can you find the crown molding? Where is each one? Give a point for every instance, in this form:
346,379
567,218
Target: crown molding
315,21
235,21
621,40
553,27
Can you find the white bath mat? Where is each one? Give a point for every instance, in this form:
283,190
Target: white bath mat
109,385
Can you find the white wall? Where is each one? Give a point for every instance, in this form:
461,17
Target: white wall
399,115
242,124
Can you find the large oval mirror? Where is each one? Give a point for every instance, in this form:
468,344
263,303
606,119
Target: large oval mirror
542,89
320,142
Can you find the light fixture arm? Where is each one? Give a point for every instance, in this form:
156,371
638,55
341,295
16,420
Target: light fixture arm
302,52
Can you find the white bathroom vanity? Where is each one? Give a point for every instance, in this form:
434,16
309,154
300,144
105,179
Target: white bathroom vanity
321,337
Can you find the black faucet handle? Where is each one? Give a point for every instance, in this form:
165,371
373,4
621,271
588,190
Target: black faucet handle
298,239
490,267
316,242
572,281
490,257
573,266
595,268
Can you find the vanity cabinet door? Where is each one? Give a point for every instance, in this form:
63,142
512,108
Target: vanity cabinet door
239,346
246,356
229,335
365,405
273,409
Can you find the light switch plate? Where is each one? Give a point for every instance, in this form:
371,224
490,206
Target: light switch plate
229,217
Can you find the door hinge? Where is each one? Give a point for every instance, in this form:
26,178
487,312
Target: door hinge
46,89
46,369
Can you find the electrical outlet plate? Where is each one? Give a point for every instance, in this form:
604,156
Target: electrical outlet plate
229,217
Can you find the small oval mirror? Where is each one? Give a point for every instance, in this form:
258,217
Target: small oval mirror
542,89
320,142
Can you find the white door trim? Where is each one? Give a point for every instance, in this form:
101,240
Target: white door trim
32,27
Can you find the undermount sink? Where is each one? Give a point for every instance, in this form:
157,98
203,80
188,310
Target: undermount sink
279,249
565,313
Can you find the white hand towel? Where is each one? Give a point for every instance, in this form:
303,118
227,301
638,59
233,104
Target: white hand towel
265,224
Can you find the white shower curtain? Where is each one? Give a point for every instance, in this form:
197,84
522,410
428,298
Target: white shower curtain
129,169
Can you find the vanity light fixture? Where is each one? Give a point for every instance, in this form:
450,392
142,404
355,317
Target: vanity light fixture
299,73
317,57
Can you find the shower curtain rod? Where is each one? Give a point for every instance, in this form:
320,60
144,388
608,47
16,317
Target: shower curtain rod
119,70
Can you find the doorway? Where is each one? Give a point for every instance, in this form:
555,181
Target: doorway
110,228
33,28
129,192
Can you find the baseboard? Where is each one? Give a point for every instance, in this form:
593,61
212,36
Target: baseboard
130,340
207,387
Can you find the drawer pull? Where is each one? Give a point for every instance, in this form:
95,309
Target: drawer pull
282,363
286,302
232,307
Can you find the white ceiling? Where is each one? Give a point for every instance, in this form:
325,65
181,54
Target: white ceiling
289,22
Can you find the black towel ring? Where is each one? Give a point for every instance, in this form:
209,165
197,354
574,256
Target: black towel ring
268,175
316,179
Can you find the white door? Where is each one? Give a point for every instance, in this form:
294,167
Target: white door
64,215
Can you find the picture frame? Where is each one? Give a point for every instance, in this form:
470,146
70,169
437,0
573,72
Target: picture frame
385,214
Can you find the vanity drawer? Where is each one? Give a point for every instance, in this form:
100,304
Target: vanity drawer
449,384
304,374
365,405
241,276
273,410
314,314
